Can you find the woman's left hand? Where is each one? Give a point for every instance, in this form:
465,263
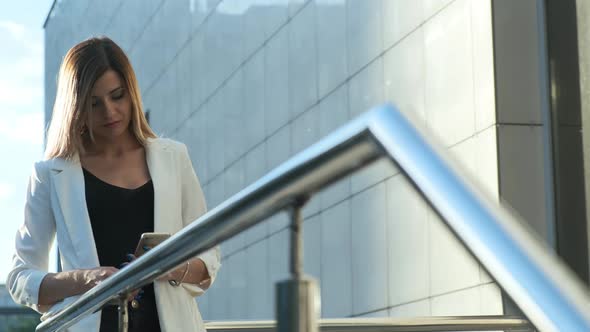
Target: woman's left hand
174,274
136,294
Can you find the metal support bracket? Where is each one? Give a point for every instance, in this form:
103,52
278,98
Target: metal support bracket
297,299
123,314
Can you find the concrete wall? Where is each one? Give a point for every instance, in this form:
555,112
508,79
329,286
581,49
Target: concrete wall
247,84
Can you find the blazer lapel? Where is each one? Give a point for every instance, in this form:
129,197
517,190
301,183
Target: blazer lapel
161,167
69,187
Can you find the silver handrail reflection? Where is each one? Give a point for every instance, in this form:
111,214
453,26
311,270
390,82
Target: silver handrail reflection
546,291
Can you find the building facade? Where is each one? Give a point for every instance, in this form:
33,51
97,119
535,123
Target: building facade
246,84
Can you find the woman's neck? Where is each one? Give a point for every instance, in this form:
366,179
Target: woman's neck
112,148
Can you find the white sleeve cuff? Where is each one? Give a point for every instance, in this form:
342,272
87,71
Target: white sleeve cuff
27,288
212,261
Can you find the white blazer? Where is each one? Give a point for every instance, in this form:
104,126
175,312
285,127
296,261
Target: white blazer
56,207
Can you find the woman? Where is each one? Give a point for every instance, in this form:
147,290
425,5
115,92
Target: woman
105,180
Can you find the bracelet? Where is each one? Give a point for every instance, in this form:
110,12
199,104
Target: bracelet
175,283
185,272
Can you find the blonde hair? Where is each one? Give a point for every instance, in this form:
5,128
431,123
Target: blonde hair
81,67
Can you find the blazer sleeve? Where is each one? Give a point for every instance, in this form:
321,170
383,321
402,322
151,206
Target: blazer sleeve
33,241
193,206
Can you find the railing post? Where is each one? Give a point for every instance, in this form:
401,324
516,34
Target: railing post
123,314
297,299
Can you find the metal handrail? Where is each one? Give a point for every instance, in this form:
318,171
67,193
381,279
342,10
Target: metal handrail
417,324
544,288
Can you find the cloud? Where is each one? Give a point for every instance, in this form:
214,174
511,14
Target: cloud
31,40
16,30
21,81
20,128
6,191
20,96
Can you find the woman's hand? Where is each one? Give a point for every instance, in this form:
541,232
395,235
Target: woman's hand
192,271
138,293
57,286
92,277
174,274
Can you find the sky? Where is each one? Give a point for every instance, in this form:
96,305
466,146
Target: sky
21,111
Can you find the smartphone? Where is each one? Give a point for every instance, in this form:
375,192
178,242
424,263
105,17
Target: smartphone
149,240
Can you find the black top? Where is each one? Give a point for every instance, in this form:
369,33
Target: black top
118,217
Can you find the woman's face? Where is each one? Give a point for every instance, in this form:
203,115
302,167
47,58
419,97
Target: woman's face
111,107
